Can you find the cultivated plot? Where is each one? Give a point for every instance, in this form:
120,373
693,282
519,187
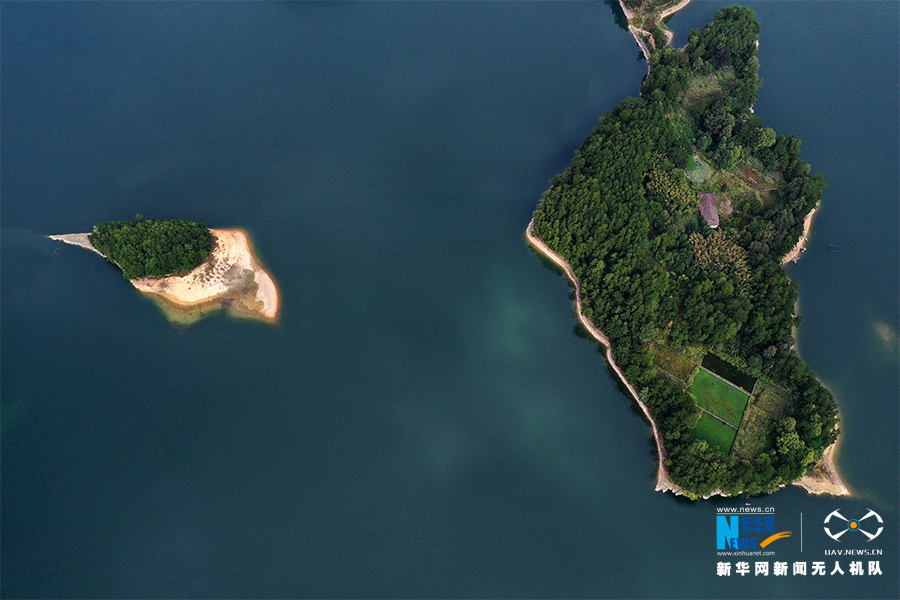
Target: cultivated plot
716,433
719,397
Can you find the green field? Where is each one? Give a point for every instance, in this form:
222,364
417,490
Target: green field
716,433
720,398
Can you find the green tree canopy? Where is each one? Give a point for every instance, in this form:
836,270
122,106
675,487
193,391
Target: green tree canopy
153,247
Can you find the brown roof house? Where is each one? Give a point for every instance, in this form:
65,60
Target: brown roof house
708,208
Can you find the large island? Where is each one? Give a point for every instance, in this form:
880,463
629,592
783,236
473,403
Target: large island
215,267
673,222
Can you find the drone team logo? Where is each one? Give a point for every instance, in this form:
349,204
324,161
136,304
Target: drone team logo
842,525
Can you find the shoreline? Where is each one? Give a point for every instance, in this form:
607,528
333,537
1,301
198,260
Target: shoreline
230,277
824,478
76,239
663,483
807,227
638,33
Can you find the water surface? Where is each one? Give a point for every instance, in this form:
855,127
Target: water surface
425,421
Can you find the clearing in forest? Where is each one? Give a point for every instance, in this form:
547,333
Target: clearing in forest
766,409
677,363
719,397
716,433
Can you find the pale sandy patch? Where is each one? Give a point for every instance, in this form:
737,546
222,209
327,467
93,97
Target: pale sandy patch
824,477
231,277
801,243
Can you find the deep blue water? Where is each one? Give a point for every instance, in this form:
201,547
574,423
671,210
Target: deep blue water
425,420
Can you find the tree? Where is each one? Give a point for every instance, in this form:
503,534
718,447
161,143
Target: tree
624,216
153,247
762,137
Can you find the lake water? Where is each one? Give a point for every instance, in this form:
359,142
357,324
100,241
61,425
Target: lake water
425,421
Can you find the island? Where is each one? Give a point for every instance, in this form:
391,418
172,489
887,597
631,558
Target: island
673,223
188,270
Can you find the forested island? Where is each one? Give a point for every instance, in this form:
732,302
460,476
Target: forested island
674,217
188,269
153,247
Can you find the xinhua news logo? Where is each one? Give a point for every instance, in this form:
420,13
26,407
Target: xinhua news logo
836,525
746,532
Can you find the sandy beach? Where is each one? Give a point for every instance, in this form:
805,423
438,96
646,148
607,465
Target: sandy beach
798,247
230,277
663,483
824,478
76,239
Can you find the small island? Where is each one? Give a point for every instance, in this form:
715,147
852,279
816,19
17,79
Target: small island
673,222
186,268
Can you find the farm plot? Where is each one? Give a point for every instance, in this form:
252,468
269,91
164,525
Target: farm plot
716,433
772,399
719,397
753,434
729,372
766,409
675,363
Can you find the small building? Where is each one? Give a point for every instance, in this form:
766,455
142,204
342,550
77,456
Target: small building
708,208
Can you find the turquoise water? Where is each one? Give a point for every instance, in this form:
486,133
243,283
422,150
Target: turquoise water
425,421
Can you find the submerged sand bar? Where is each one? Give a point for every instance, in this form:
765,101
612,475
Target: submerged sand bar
230,276
76,239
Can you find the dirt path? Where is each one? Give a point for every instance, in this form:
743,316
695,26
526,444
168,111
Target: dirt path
719,418
663,483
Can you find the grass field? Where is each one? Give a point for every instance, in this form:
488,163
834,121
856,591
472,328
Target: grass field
726,370
720,398
701,172
717,434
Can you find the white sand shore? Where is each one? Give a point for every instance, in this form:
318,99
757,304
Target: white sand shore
76,239
663,483
807,227
231,276
824,477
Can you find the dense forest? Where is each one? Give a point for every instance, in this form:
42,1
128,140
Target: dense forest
153,247
625,216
